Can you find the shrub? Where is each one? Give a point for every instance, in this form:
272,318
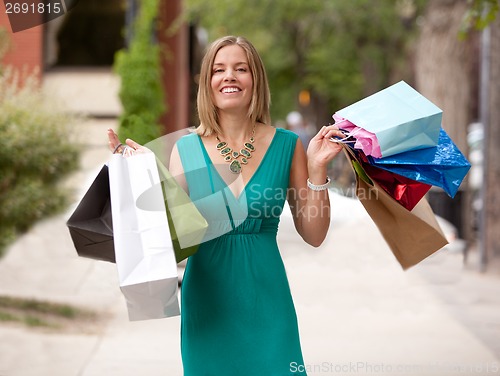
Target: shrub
36,153
141,92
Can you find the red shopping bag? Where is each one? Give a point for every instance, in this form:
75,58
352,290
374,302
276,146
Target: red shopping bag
405,191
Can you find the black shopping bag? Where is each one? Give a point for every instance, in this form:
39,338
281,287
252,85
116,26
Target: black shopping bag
90,226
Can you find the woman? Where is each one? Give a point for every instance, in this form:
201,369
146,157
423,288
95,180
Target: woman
238,316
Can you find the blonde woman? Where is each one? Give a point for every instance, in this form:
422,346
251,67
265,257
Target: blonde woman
238,316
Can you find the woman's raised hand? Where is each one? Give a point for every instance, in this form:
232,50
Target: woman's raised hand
114,142
321,150
130,148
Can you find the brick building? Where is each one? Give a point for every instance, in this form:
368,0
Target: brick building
89,35
25,48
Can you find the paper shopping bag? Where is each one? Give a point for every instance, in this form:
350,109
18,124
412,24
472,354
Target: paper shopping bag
411,235
187,225
90,225
400,118
145,258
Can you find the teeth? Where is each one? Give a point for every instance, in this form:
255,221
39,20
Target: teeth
230,90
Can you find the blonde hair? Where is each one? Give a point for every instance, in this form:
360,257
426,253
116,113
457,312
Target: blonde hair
258,110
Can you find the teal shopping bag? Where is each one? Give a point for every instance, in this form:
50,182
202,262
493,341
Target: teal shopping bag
401,118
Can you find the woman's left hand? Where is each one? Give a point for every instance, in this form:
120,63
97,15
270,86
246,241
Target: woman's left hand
321,150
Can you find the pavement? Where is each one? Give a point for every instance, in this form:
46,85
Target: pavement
358,311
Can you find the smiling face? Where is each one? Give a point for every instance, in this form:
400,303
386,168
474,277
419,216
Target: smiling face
231,80
254,86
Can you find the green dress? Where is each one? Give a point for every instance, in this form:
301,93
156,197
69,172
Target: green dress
237,313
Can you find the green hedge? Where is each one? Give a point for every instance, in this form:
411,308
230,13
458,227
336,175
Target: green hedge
35,153
141,91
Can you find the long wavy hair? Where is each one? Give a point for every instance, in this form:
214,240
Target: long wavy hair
258,110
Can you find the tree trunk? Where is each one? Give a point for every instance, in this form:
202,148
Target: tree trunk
446,73
444,66
491,201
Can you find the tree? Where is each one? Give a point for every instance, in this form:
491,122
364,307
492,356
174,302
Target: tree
446,67
337,50
447,71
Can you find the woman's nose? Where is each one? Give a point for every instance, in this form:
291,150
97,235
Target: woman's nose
229,75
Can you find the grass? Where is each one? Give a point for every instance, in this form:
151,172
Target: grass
37,313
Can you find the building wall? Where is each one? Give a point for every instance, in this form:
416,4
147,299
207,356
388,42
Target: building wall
25,52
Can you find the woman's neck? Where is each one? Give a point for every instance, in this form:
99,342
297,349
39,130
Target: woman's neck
235,128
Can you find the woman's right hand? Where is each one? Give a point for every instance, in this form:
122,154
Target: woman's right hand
130,148
114,142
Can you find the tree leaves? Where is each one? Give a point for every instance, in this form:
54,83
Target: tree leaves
316,45
480,14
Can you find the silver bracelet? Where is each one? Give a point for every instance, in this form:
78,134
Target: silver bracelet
321,187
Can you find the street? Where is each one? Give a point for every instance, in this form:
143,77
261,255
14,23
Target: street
358,311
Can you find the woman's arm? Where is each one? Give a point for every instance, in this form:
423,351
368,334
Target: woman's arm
311,209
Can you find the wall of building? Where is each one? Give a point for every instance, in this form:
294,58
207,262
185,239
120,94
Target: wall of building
25,52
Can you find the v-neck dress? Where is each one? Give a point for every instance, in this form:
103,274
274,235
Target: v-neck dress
237,313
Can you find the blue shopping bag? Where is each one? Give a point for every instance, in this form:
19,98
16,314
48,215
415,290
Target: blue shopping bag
443,166
400,117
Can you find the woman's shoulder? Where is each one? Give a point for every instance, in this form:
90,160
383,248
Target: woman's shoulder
270,131
187,139
287,133
284,136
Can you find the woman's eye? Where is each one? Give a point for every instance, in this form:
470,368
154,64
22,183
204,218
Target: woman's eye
218,70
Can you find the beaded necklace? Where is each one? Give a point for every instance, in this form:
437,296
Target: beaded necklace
232,156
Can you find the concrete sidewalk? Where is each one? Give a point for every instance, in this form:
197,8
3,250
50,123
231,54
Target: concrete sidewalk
358,312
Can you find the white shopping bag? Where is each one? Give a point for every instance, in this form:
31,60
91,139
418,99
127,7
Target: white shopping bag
145,257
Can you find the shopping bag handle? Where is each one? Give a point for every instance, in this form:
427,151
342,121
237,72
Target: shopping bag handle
338,121
356,165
